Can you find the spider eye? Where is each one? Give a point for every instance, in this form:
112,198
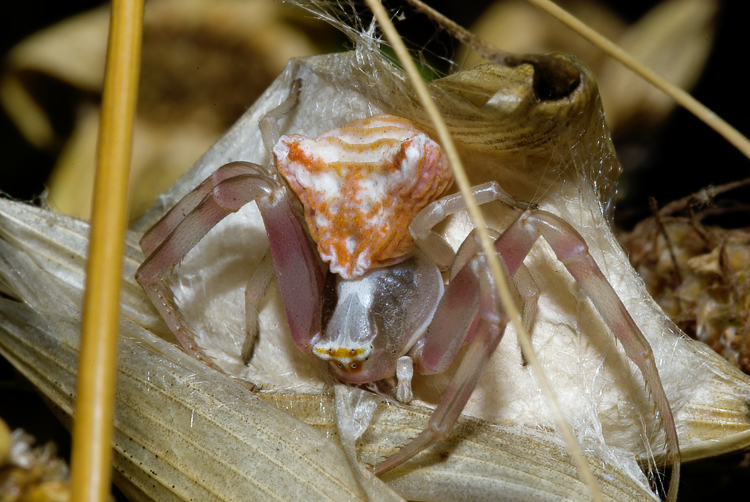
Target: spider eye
354,366
341,366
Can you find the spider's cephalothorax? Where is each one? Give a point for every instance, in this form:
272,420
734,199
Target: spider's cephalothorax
378,317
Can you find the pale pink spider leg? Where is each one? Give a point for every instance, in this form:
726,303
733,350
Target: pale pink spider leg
254,293
468,249
457,317
571,249
166,225
153,273
269,124
298,269
270,133
522,282
298,272
453,322
514,245
529,293
429,241
488,333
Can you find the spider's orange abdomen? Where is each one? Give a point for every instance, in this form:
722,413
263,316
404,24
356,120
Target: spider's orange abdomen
361,185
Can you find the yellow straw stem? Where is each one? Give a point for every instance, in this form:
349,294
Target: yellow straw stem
679,95
477,218
92,428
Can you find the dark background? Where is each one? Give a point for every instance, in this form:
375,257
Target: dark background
685,156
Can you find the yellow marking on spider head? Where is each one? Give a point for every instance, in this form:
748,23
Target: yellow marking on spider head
339,353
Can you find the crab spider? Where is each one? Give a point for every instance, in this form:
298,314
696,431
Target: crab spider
372,190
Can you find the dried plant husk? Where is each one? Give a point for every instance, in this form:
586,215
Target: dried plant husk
30,472
700,275
674,38
184,430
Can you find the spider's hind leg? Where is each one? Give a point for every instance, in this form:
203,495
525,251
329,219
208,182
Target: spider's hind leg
528,293
224,192
522,284
254,293
435,246
572,251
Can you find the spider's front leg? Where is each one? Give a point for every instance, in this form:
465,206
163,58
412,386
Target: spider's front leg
224,192
473,289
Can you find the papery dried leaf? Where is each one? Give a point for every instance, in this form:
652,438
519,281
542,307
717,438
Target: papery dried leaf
674,39
182,430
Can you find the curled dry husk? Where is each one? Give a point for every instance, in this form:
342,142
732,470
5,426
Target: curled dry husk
674,39
184,431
